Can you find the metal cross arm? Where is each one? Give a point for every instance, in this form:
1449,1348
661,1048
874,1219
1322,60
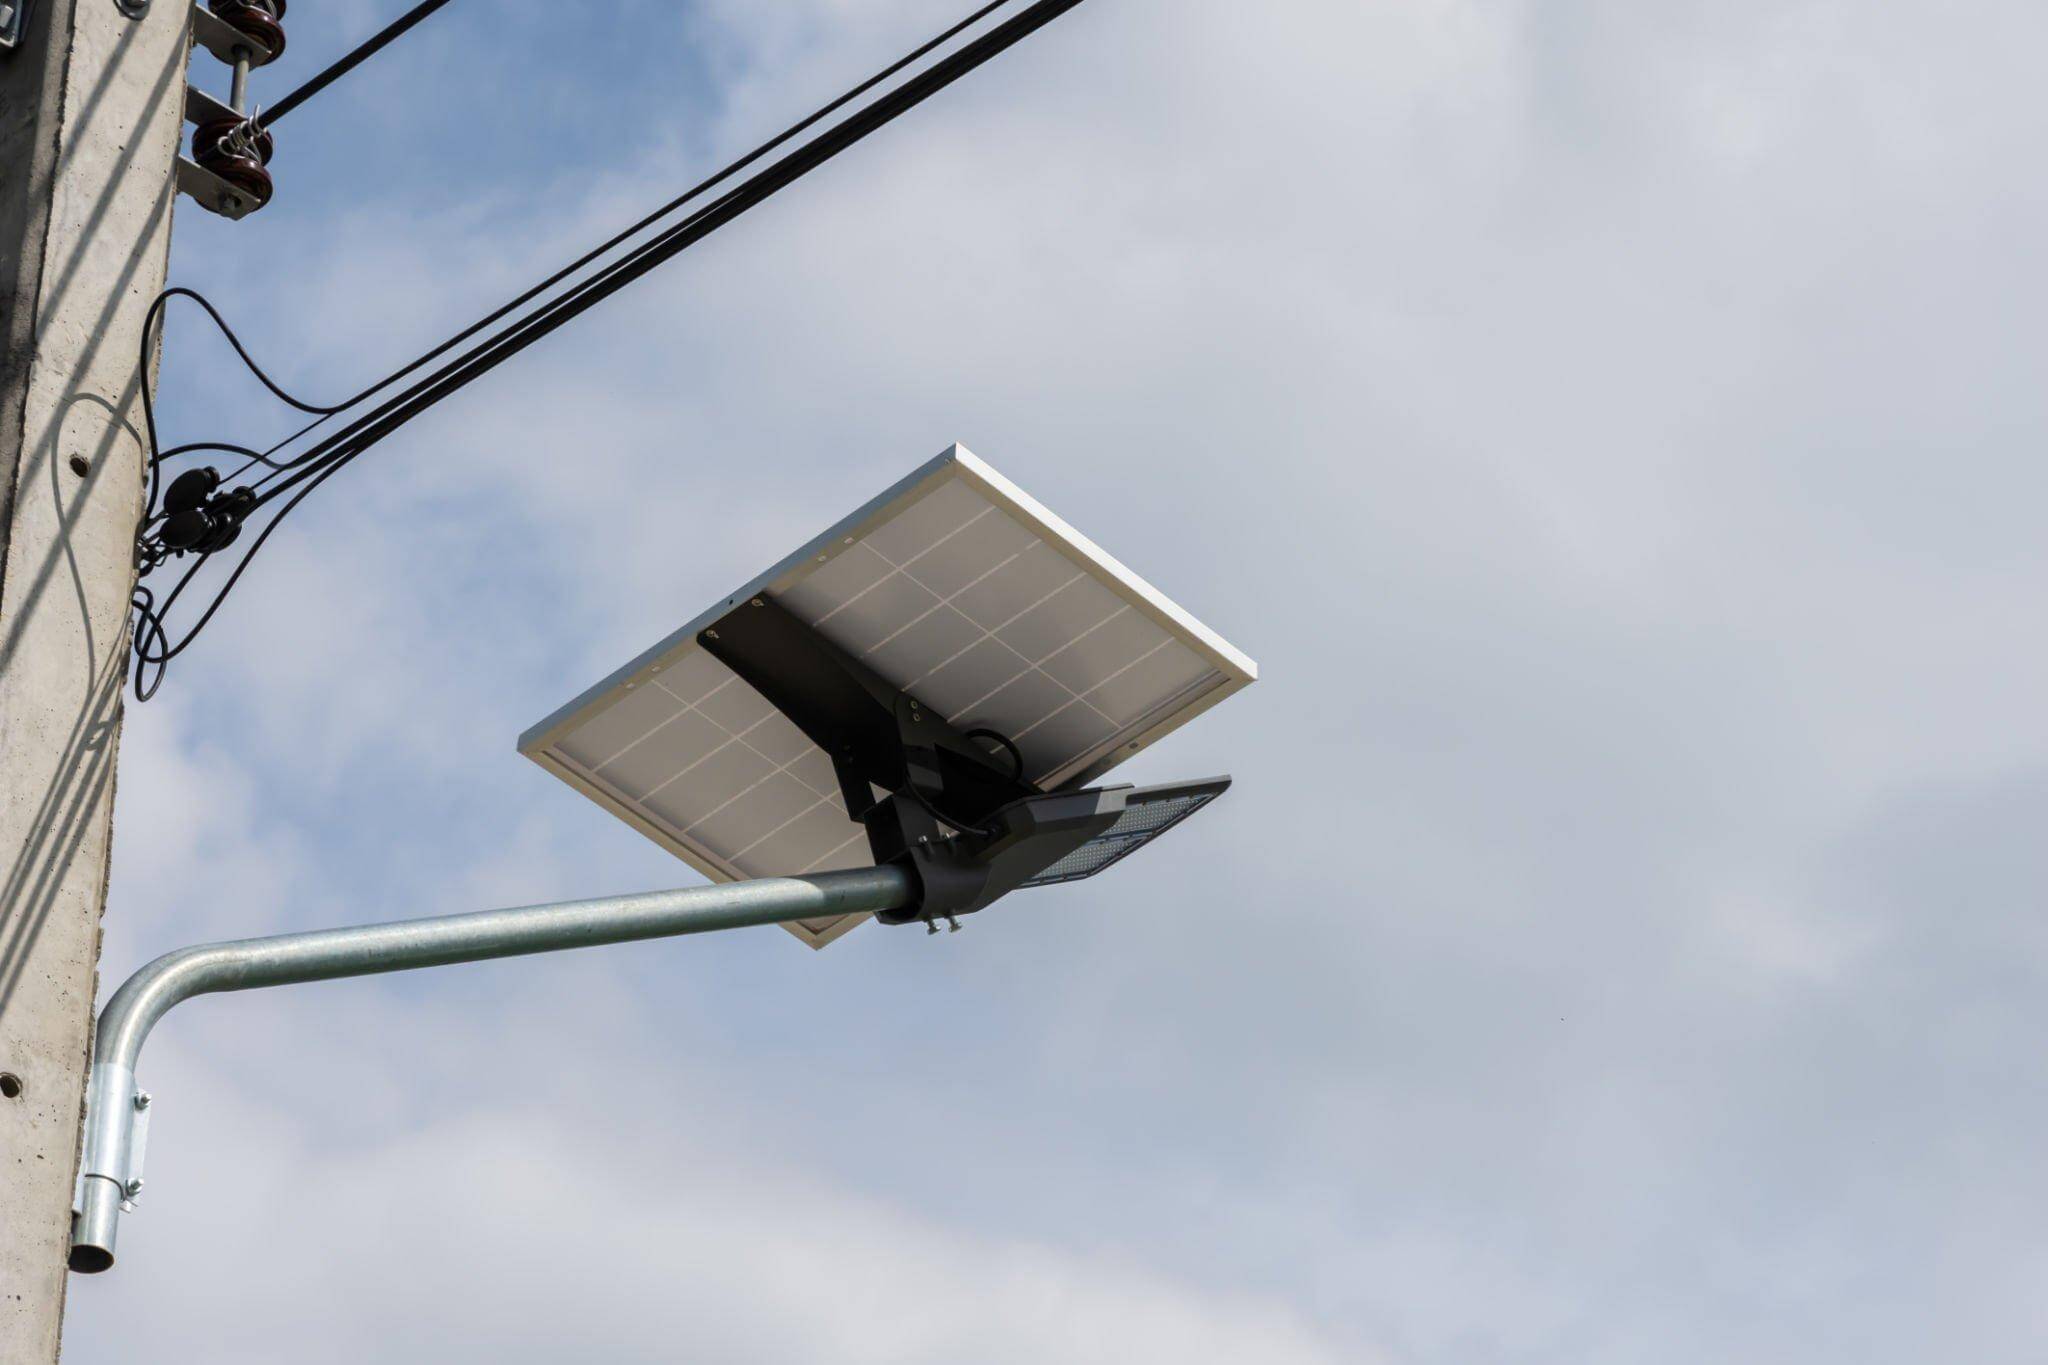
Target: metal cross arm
110,1174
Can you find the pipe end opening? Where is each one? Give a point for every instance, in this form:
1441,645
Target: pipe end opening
91,1260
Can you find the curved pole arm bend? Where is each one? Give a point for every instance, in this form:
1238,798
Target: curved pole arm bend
107,1171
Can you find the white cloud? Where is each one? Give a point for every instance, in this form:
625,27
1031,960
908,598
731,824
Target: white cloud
508,1227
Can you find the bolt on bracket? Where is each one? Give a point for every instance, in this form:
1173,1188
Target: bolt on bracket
225,41
212,193
116,1135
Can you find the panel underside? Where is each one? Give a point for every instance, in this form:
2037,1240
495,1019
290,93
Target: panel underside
956,593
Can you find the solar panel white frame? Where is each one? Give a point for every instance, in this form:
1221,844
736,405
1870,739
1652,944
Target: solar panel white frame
900,583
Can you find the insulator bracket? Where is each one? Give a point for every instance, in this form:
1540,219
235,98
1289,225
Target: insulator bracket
212,193
229,43
224,175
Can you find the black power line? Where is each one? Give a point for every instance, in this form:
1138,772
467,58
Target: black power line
299,474
349,62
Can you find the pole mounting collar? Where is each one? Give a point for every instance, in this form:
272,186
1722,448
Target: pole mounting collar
116,1135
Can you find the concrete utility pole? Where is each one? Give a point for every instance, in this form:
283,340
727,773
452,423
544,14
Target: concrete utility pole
90,116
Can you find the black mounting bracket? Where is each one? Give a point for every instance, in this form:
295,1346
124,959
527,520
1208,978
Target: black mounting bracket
14,17
967,821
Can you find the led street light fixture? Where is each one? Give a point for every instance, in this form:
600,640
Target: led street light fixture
935,681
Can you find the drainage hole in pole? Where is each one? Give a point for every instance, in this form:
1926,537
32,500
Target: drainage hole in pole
10,1085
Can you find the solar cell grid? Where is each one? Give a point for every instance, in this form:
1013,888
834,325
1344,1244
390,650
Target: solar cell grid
954,586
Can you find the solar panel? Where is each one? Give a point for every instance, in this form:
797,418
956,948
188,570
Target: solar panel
954,585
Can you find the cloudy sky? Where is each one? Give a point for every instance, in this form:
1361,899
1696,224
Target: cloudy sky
1615,427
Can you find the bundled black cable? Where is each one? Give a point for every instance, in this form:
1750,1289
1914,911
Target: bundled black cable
201,513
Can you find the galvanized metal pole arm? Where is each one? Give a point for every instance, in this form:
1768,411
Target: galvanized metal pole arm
116,1111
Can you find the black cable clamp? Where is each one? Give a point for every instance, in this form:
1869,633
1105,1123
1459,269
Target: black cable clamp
199,519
